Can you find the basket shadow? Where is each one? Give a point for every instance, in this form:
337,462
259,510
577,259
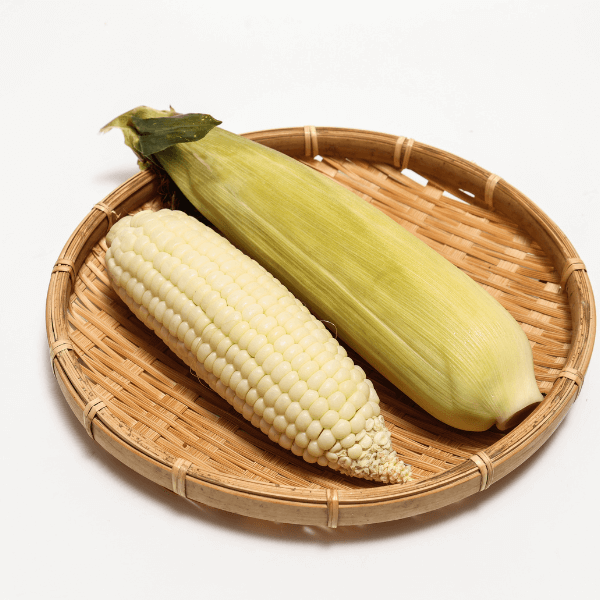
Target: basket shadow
284,532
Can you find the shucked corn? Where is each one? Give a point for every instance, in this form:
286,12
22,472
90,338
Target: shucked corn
252,341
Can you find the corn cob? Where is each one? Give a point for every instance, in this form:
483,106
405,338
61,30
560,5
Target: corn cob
252,341
420,321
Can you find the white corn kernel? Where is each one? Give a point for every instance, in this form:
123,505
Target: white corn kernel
313,431
355,451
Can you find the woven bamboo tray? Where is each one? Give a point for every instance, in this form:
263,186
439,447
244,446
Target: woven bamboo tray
145,407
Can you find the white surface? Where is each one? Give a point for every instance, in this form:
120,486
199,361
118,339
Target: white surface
510,85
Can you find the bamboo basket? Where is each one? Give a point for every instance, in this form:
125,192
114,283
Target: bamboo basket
144,407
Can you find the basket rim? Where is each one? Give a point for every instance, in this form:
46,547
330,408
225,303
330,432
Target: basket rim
354,506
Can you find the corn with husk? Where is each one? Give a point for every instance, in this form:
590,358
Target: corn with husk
421,322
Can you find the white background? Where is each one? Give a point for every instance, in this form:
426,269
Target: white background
509,85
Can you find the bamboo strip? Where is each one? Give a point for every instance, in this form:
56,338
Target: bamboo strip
486,468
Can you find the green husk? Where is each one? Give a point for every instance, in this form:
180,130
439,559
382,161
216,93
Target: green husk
421,322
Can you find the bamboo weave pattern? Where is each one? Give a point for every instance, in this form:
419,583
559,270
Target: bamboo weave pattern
151,393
